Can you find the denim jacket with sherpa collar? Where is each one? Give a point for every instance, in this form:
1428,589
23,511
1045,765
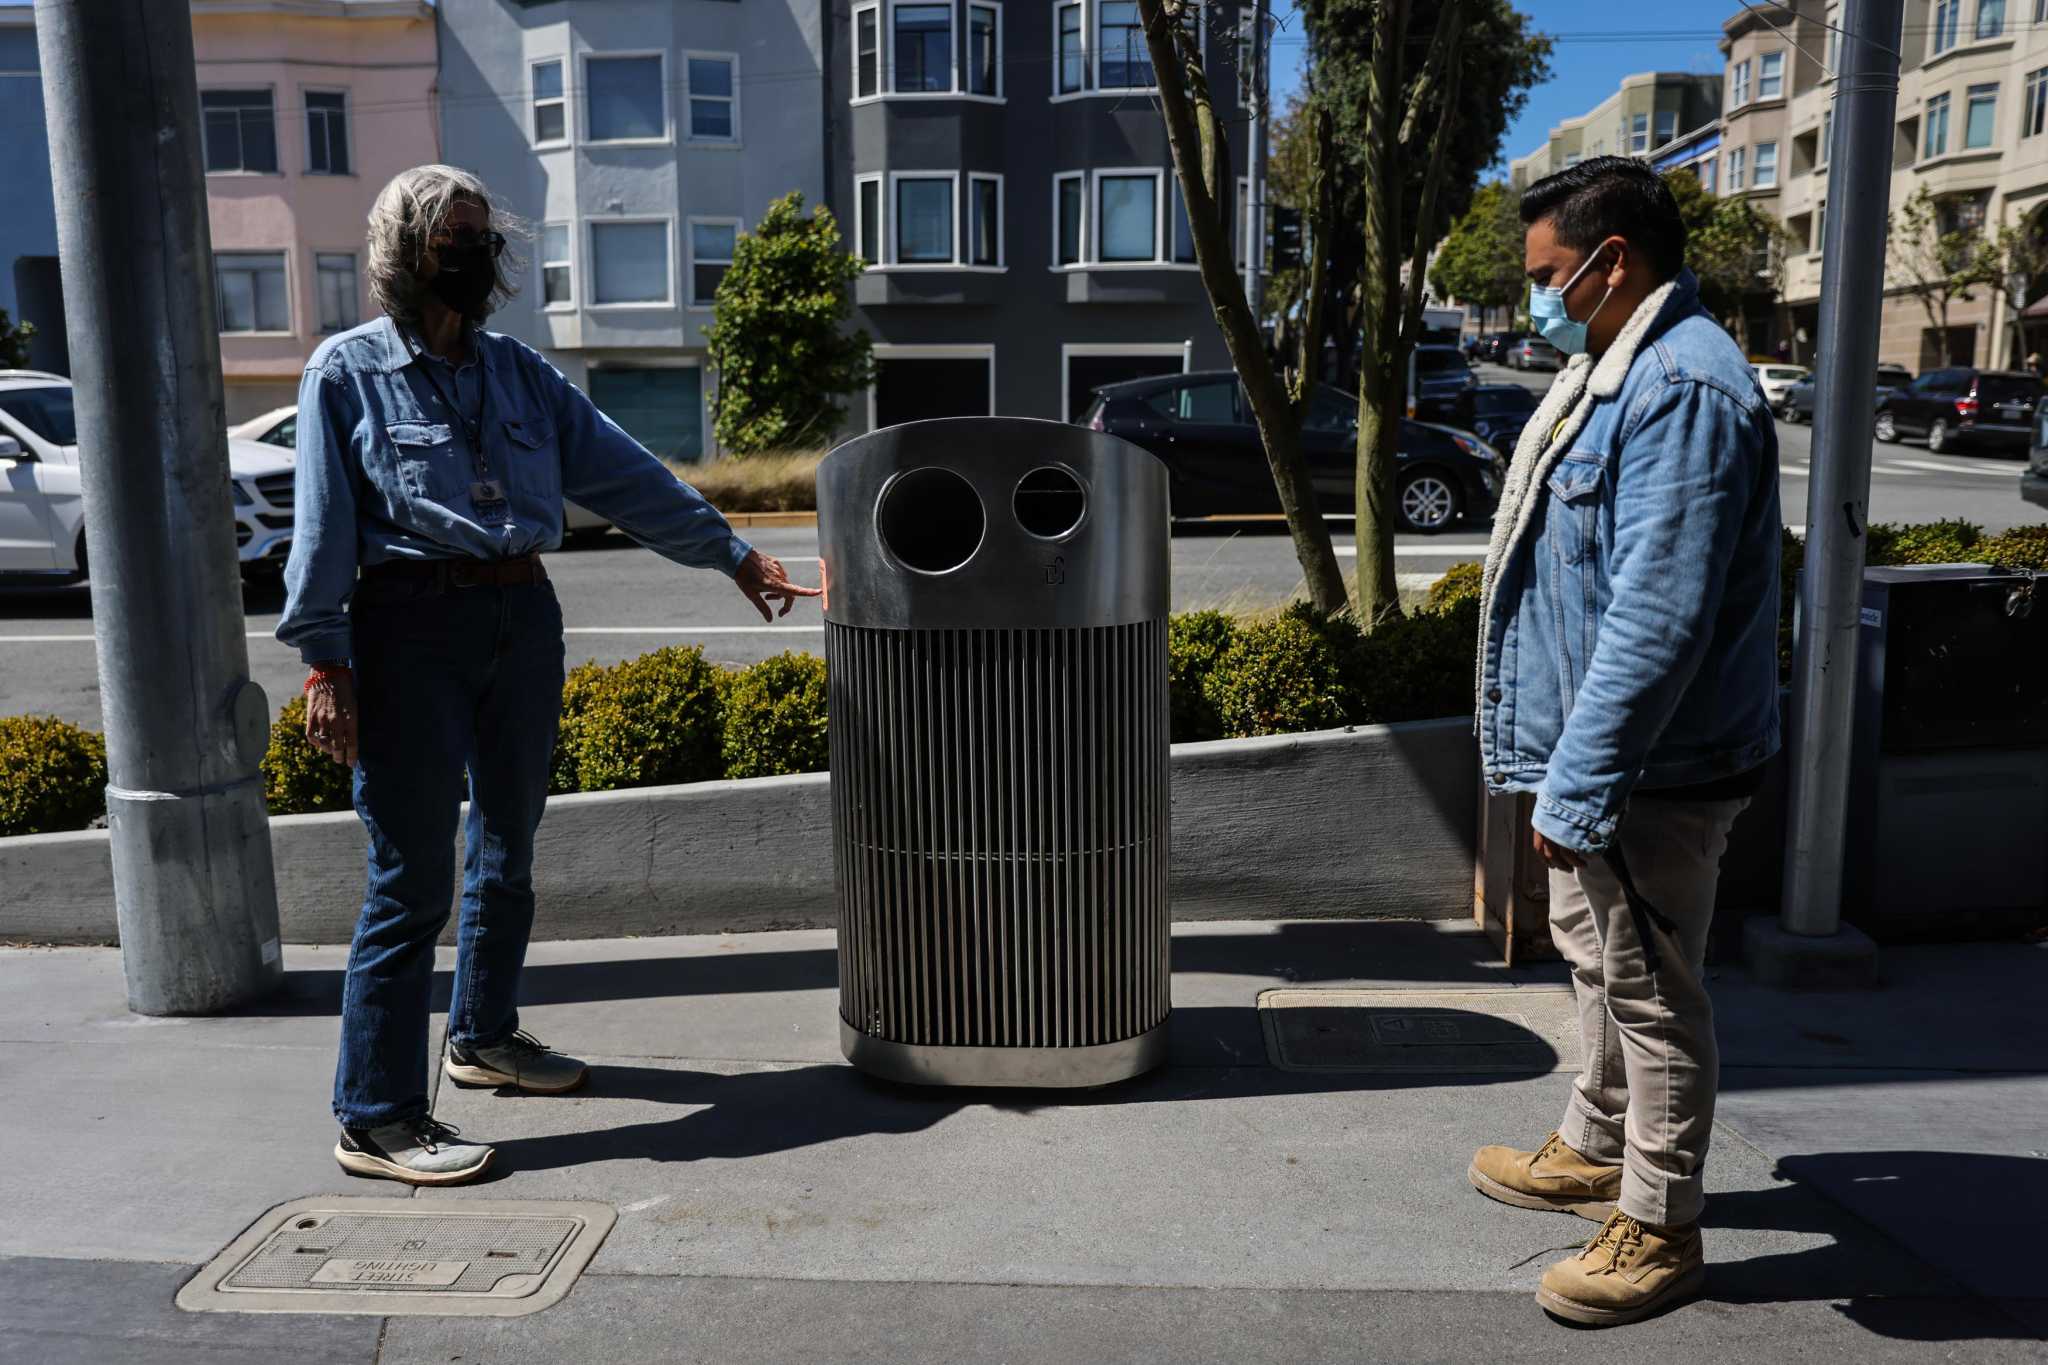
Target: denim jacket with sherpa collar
1629,614
386,472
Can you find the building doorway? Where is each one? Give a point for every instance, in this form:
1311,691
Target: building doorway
661,408
919,383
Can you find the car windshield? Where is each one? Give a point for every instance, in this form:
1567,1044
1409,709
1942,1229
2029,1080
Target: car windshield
1498,401
1428,360
2006,388
46,412
1783,372
1329,411
1888,375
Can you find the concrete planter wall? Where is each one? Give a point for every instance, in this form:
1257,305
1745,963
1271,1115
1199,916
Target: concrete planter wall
1374,822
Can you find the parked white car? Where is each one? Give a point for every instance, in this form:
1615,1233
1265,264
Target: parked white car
42,514
1777,381
280,427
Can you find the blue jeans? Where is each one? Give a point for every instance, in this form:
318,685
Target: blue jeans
446,681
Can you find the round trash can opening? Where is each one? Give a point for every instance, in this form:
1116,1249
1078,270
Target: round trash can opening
1050,502
931,520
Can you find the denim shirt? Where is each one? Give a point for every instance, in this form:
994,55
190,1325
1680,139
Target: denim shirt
1632,640
386,472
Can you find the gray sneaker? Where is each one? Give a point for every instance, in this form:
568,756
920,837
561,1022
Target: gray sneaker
521,1062
417,1151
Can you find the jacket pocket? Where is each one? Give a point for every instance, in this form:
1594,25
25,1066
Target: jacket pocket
424,458
1577,485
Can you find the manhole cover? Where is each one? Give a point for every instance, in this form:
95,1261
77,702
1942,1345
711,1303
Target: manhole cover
488,1257
1526,1032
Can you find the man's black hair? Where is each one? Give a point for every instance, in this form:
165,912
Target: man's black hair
1611,196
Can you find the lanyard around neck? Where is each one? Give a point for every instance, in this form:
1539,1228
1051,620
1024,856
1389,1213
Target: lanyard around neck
472,430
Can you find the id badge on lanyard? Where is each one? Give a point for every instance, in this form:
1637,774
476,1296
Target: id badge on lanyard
493,508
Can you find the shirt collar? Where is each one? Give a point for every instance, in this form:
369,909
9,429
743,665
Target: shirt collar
396,354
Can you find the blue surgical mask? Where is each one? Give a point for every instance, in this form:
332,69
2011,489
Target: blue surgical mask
1547,311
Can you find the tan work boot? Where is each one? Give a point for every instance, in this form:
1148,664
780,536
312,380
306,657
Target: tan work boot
1628,1272
1552,1177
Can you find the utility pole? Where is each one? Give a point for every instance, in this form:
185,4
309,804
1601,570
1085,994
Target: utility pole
1809,944
186,728
1255,193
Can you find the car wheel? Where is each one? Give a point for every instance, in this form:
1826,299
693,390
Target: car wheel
1939,438
1429,502
1884,428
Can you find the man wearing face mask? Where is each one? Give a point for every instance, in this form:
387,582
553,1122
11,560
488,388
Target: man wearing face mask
433,458
1628,678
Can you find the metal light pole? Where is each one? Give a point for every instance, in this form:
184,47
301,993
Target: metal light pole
186,727
1810,943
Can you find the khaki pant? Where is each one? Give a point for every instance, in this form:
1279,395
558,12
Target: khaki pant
1645,1096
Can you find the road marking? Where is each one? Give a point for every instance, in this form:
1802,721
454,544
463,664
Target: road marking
1421,551
1933,468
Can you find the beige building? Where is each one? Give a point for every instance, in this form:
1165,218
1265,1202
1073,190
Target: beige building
1972,127
1648,111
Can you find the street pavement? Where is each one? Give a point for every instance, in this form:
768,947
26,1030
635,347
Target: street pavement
619,600
1875,1185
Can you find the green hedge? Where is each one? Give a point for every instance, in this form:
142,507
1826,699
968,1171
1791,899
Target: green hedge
672,716
53,775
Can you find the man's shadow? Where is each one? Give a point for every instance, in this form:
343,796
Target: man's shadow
1959,1256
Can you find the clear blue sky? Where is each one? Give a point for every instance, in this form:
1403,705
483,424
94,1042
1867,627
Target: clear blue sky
1595,46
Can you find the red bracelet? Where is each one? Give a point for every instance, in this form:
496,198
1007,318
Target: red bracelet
322,675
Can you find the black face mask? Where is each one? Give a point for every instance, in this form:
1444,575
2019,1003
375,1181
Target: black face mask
465,279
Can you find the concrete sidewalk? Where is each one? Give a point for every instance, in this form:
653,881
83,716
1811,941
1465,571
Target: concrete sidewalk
1877,1178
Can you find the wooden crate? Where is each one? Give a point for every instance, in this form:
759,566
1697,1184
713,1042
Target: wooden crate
1510,884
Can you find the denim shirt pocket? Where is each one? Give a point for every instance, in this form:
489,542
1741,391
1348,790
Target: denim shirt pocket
1578,490
534,462
425,461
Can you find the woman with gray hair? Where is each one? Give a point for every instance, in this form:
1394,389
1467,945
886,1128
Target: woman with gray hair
433,458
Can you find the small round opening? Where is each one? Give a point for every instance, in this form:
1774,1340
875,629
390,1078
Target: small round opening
305,1223
931,520
1050,502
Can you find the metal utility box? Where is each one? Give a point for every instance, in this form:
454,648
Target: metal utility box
995,634
1948,800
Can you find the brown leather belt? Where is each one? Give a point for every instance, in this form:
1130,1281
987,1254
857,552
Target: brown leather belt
460,573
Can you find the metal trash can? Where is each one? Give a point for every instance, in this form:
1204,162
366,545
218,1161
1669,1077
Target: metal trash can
995,630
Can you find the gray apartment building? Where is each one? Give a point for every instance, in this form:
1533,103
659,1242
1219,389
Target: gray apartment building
1003,168
639,137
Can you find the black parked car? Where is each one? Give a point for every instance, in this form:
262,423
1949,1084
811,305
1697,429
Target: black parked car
1201,428
1496,413
1956,407
1798,404
1438,376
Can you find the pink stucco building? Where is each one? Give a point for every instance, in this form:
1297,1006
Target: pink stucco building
309,107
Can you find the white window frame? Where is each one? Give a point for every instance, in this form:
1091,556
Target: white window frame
1758,168
738,225
2034,104
1736,174
889,216
974,350
1954,11
732,60
881,225
995,7
1002,260
589,246
1638,141
1972,96
873,7
542,263
1162,213
291,285
1071,351
1738,85
668,119
1091,36
535,101
1977,33
1927,110
1763,74
348,128
1081,261
355,272
952,88
1058,60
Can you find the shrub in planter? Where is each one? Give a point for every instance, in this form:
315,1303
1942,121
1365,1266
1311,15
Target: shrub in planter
2023,547
1418,667
1459,583
1195,640
1277,677
1931,542
298,778
651,721
53,775
775,718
